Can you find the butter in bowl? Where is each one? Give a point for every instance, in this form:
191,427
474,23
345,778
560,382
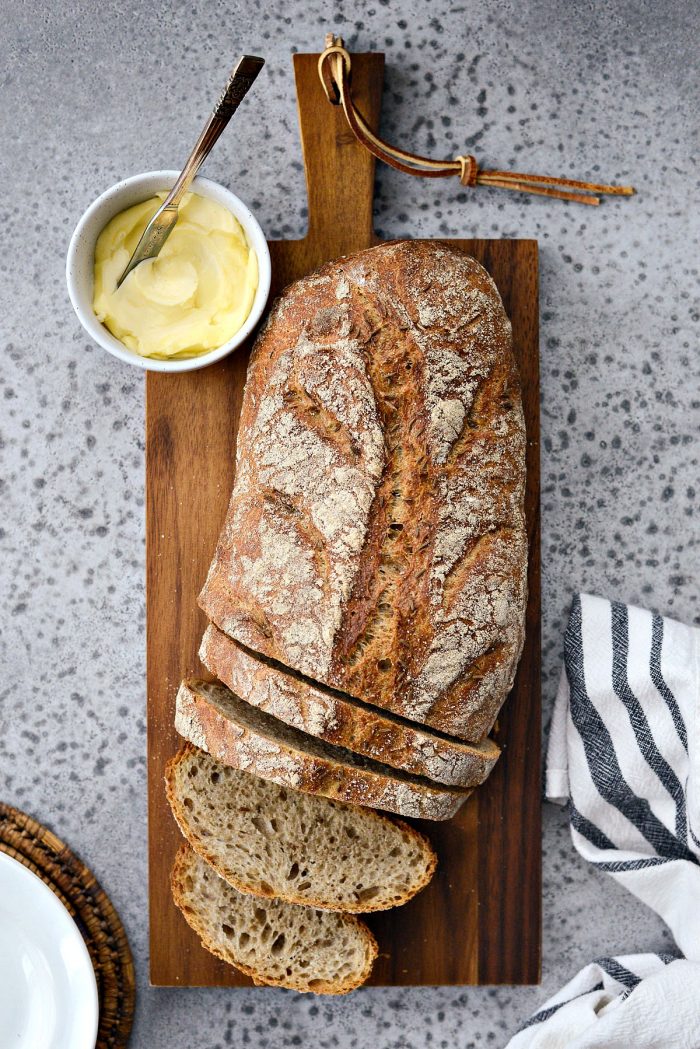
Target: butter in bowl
193,304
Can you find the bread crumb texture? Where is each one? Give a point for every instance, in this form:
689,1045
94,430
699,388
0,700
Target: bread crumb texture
270,841
273,942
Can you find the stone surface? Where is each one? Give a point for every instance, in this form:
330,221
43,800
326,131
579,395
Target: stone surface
92,93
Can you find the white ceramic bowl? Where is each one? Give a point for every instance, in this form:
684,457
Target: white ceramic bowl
81,259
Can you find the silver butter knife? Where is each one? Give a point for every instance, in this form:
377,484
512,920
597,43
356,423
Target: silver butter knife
163,222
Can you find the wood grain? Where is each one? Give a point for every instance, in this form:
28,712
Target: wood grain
479,920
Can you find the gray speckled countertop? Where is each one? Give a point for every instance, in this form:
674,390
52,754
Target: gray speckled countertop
94,92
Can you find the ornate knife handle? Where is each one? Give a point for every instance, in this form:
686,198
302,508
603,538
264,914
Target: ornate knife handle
239,83
238,86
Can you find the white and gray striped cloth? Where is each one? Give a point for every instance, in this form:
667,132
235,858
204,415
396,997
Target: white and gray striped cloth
624,753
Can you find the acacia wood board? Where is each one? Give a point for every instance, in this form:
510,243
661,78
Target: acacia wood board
478,922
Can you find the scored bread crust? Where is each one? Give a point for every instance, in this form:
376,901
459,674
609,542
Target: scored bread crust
342,720
375,539
380,821
237,734
178,884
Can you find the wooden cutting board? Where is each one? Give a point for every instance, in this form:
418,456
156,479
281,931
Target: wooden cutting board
479,920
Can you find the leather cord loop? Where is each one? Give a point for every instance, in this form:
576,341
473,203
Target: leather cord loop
334,68
329,86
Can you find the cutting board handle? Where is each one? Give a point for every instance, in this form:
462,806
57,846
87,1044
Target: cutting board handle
339,171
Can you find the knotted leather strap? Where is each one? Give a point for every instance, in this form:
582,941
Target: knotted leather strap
334,67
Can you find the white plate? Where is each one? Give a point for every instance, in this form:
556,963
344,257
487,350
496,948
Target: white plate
48,994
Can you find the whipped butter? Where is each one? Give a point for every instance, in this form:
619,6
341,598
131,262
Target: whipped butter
189,300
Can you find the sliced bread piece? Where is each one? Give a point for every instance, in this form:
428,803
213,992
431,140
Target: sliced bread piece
336,718
271,841
275,943
216,720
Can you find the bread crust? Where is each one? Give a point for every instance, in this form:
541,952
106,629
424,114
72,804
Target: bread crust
375,540
279,753
198,844
342,720
179,891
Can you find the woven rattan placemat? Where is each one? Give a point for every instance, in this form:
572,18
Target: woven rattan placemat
75,885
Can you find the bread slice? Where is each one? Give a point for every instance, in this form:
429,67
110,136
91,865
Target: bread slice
216,720
340,719
270,841
275,943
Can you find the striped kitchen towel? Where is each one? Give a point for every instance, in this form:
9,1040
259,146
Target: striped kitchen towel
643,1001
624,753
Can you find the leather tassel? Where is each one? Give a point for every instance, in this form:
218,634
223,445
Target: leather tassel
334,67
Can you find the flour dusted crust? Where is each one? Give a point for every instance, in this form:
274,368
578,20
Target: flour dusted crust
346,722
375,540
237,734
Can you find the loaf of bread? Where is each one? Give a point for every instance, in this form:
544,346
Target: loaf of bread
273,942
271,841
214,719
342,720
375,539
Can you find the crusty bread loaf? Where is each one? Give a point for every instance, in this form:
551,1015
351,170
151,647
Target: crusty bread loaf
271,841
214,719
375,539
346,722
275,943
